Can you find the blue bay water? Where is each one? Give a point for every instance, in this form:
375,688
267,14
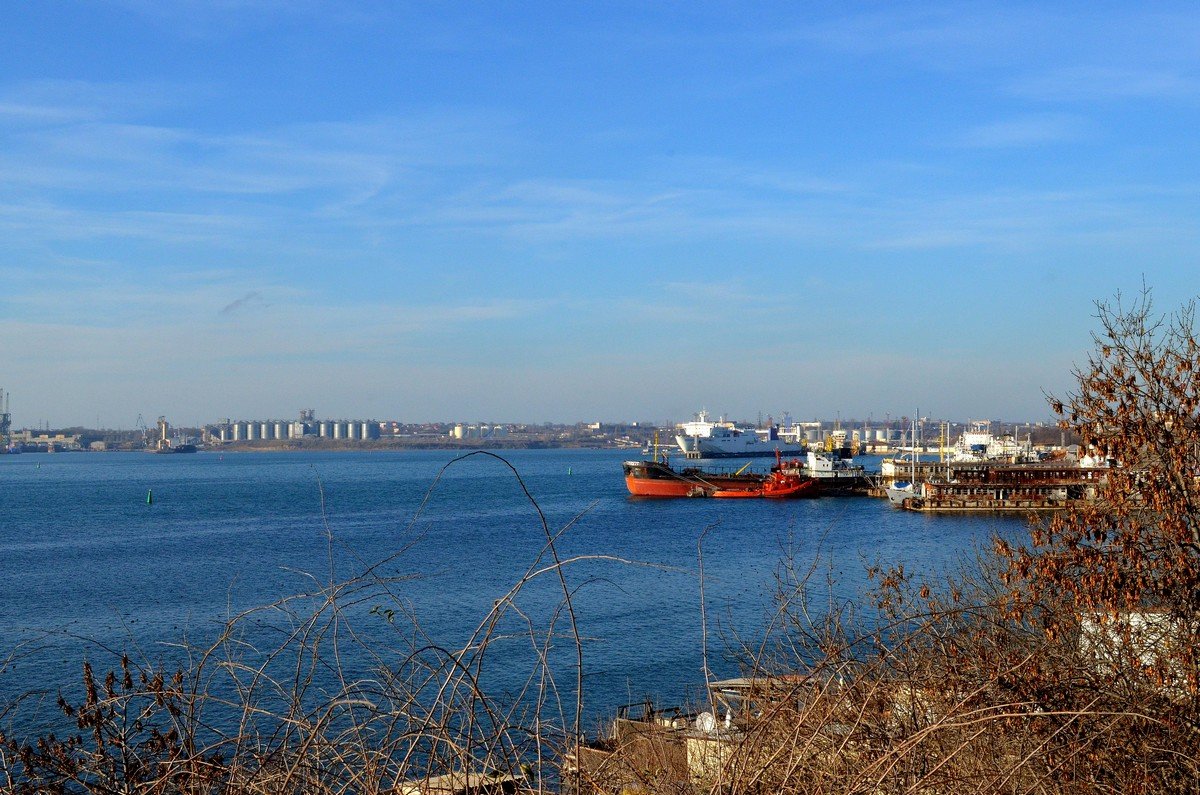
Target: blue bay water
85,559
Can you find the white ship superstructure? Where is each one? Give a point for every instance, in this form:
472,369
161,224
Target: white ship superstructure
979,444
702,438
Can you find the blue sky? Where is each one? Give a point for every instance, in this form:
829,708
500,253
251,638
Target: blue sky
560,212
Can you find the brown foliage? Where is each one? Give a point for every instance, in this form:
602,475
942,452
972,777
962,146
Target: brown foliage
1067,664
1128,566
1138,404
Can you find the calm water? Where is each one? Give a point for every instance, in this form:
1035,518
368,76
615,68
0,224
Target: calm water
84,556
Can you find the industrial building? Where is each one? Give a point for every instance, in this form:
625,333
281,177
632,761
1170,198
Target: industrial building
479,431
306,427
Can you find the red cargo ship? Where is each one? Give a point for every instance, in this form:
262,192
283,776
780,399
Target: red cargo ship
658,479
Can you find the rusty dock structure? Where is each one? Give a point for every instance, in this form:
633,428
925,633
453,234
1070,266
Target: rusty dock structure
994,487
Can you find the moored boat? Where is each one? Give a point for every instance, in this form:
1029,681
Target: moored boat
837,474
776,487
900,491
977,443
702,438
658,479
179,447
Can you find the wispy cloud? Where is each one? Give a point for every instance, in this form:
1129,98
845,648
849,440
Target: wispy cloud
127,158
76,165
40,221
1001,222
1023,132
1090,83
888,31
692,199
59,102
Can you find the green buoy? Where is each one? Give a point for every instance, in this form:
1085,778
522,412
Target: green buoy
149,497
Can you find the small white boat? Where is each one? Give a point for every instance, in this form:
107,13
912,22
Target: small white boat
900,491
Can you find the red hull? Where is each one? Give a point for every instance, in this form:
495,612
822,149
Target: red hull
655,479
782,488
793,488
644,487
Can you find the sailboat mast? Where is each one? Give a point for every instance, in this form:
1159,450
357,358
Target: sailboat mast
915,448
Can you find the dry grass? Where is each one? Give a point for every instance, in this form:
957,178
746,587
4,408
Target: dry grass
950,695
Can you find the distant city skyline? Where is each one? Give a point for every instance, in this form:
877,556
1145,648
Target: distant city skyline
762,419
548,212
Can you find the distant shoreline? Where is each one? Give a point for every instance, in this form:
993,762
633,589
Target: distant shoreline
374,445
323,445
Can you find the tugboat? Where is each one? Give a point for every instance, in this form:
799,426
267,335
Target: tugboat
837,474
